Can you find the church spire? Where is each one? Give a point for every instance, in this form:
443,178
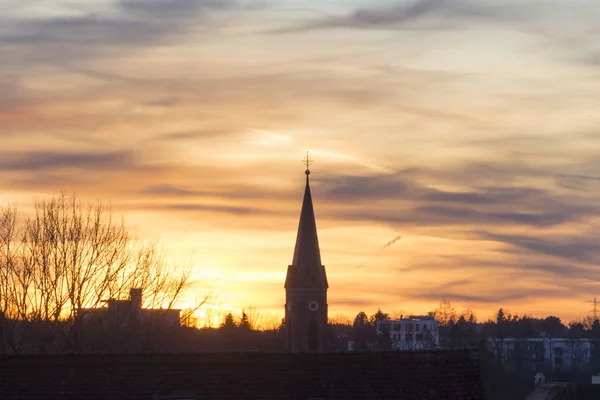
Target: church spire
306,269
306,284
307,253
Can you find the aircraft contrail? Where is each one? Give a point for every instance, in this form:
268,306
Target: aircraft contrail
391,242
388,244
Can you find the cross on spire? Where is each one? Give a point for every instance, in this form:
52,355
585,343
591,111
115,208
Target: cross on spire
307,161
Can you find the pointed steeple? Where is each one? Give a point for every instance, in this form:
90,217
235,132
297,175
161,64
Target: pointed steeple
306,285
306,270
307,253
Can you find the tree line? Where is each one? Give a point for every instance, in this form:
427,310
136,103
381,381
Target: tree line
464,328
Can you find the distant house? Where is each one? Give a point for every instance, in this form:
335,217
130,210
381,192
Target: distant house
557,354
412,333
120,314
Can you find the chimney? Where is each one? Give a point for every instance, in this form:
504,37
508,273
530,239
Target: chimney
135,296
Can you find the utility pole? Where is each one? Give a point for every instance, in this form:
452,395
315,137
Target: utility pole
595,310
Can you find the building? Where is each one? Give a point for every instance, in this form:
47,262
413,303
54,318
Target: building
123,313
429,375
306,323
556,354
414,332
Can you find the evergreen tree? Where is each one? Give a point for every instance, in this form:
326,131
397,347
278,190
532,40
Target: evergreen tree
245,322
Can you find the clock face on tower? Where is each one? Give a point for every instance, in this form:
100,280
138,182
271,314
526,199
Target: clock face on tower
313,306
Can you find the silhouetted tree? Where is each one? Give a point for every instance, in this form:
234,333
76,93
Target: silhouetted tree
256,320
378,316
577,330
523,326
340,319
463,332
553,327
229,322
469,316
244,321
361,327
445,313
65,257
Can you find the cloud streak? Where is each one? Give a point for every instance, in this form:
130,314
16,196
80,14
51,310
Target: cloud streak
52,161
468,128
403,15
578,248
132,23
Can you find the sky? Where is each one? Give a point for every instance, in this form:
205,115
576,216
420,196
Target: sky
470,128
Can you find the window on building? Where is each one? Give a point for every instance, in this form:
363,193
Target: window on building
409,337
558,359
417,327
558,351
396,327
419,337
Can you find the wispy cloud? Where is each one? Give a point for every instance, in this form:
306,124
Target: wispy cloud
453,14
446,14
131,24
35,161
467,128
577,248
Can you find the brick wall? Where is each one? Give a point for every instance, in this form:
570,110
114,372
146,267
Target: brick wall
243,375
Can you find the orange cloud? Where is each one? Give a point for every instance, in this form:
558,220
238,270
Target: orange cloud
194,128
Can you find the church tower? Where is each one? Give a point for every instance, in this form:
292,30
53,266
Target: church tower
306,285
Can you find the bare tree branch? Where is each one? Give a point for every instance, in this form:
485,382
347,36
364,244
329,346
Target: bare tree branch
64,258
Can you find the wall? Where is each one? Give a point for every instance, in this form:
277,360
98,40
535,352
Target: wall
365,376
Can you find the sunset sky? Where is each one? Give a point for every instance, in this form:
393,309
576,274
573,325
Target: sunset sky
470,128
